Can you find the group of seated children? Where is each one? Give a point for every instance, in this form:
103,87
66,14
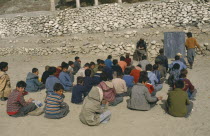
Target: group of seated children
105,84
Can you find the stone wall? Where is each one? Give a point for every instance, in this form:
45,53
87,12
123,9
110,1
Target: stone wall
109,17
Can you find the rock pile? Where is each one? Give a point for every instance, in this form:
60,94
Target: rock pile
115,49
109,17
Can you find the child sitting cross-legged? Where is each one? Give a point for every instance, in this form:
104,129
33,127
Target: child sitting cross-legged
188,86
140,98
55,107
78,91
65,78
93,113
16,104
178,104
32,81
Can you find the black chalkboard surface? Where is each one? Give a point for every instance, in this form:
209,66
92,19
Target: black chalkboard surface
174,42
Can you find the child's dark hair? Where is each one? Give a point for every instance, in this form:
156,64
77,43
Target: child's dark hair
127,55
143,73
52,70
115,62
87,65
155,67
98,61
58,86
109,57
177,57
143,79
119,74
183,73
21,84
101,62
122,58
92,63
104,76
144,57
64,65
139,65
71,63
179,84
34,70
100,68
87,72
76,58
176,66
161,51
47,68
3,65
149,67
189,34
80,80
127,71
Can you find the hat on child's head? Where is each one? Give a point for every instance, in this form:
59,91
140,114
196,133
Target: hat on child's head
179,54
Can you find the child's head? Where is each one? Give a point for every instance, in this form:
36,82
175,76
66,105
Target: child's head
127,55
183,73
20,86
176,66
92,65
4,66
77,58
104,76
161,51
47,68
122,58
177,57
139,65
189,34
149,67
115,62
119,74
158,61
102,63
64,67
87,66
52,70
155,67
87,72
100,68
179,84
143,79
127,71
80,80
71,64
144,57
58,89
35,71
143,73
109,57
98,61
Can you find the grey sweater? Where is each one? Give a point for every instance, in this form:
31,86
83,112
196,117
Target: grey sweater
140,99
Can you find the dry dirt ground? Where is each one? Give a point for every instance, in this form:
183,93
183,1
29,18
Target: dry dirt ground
124,122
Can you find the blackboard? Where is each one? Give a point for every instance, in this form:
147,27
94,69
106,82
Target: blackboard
174,42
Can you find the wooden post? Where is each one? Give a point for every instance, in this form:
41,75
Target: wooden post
78,3
52,5
96,2
119,1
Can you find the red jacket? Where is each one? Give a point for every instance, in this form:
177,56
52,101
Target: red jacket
150,87
136,74
128,61
187,85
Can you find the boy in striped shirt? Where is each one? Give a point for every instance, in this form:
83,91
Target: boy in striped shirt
55,107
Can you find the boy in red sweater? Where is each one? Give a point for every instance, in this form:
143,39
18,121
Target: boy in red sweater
16,104
188,87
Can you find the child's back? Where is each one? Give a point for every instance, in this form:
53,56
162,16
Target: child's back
88,83
129,80
92,109
78,92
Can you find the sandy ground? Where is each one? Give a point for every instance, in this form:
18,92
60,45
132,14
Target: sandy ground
124,122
